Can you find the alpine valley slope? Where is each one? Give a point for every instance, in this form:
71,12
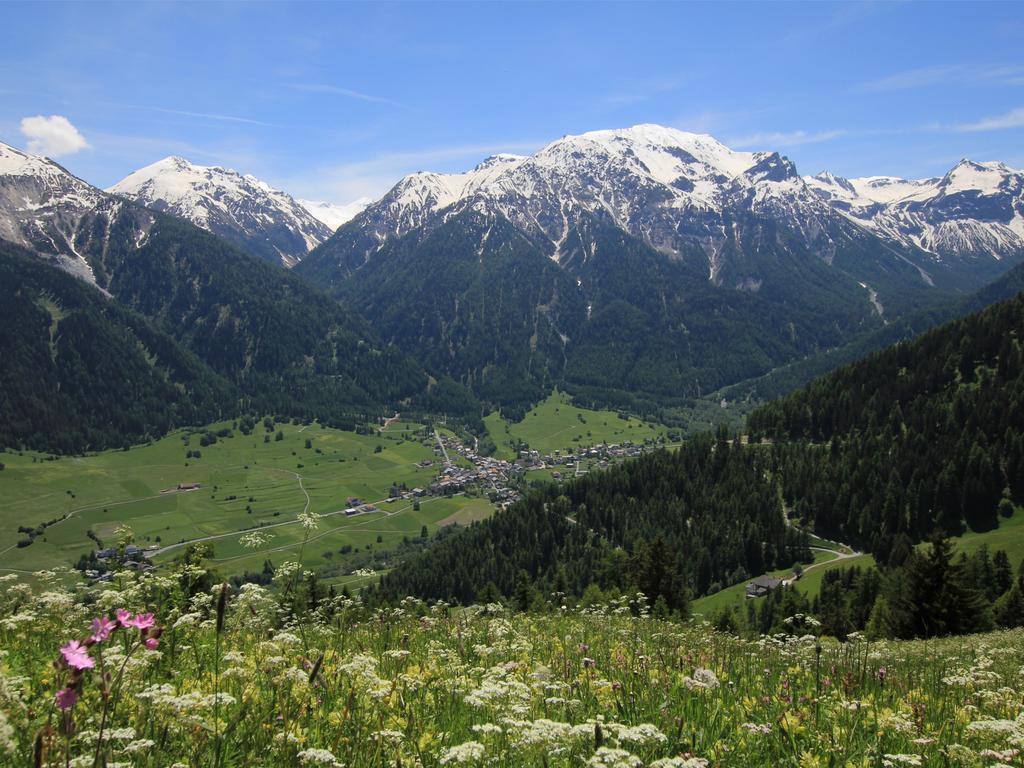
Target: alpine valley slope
286,347
926,435
637,263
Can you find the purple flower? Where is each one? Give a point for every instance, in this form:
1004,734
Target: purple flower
66,698
77,655
151,643
101,628
123,617
142,622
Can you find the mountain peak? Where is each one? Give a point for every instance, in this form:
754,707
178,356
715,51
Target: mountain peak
240,208
500,160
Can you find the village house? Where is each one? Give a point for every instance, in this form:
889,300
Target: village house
762,585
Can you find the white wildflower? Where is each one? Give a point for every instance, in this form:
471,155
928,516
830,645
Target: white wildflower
890,761
468,752
614,758
703,679
680,762
255,539
318,757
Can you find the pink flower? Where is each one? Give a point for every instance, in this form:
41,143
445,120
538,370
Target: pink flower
66,698
152,643
77,655
142,622
101,628
124,617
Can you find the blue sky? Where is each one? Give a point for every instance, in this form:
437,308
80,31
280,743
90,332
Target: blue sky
339,101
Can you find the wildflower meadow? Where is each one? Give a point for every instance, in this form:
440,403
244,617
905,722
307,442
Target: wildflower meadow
140,672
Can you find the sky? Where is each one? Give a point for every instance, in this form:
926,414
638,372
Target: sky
338,101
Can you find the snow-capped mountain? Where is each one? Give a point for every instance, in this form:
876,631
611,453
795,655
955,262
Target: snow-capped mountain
649,259
334,214
54,213
686,195
240,208
975,211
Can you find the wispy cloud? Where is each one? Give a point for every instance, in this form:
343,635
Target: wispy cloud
349,93
718,121
638,91
216,116
785,138
1012,119
210,116
374,176
844,15
924,77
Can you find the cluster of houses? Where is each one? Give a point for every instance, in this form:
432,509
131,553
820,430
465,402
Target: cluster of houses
600,456
133,557
496,476
356,506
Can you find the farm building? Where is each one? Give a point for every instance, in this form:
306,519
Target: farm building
762,585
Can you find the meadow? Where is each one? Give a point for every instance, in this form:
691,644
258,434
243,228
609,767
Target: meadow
262,481
254,481
557,424
230,679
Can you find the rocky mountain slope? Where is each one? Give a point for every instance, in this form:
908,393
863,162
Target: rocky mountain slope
240,208
973,213
45,208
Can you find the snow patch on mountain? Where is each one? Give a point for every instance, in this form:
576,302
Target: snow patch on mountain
677,191
333,214
976,210
240,208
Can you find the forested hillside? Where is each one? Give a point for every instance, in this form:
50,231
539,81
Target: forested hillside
669,524
787,378
79,371
617,323
926,433
288,347
183,307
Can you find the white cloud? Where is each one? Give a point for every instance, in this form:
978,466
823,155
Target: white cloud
1012,119
785,139
52,136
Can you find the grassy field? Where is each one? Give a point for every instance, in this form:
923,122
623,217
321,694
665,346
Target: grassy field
245,483
556,424
437,687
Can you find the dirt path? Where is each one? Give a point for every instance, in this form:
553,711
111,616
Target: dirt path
444,450
838,556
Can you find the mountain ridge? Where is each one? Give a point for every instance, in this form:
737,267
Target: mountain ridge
241,208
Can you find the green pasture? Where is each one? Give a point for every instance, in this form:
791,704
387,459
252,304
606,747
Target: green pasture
556,424
245,483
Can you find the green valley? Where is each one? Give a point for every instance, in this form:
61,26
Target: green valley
245,482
